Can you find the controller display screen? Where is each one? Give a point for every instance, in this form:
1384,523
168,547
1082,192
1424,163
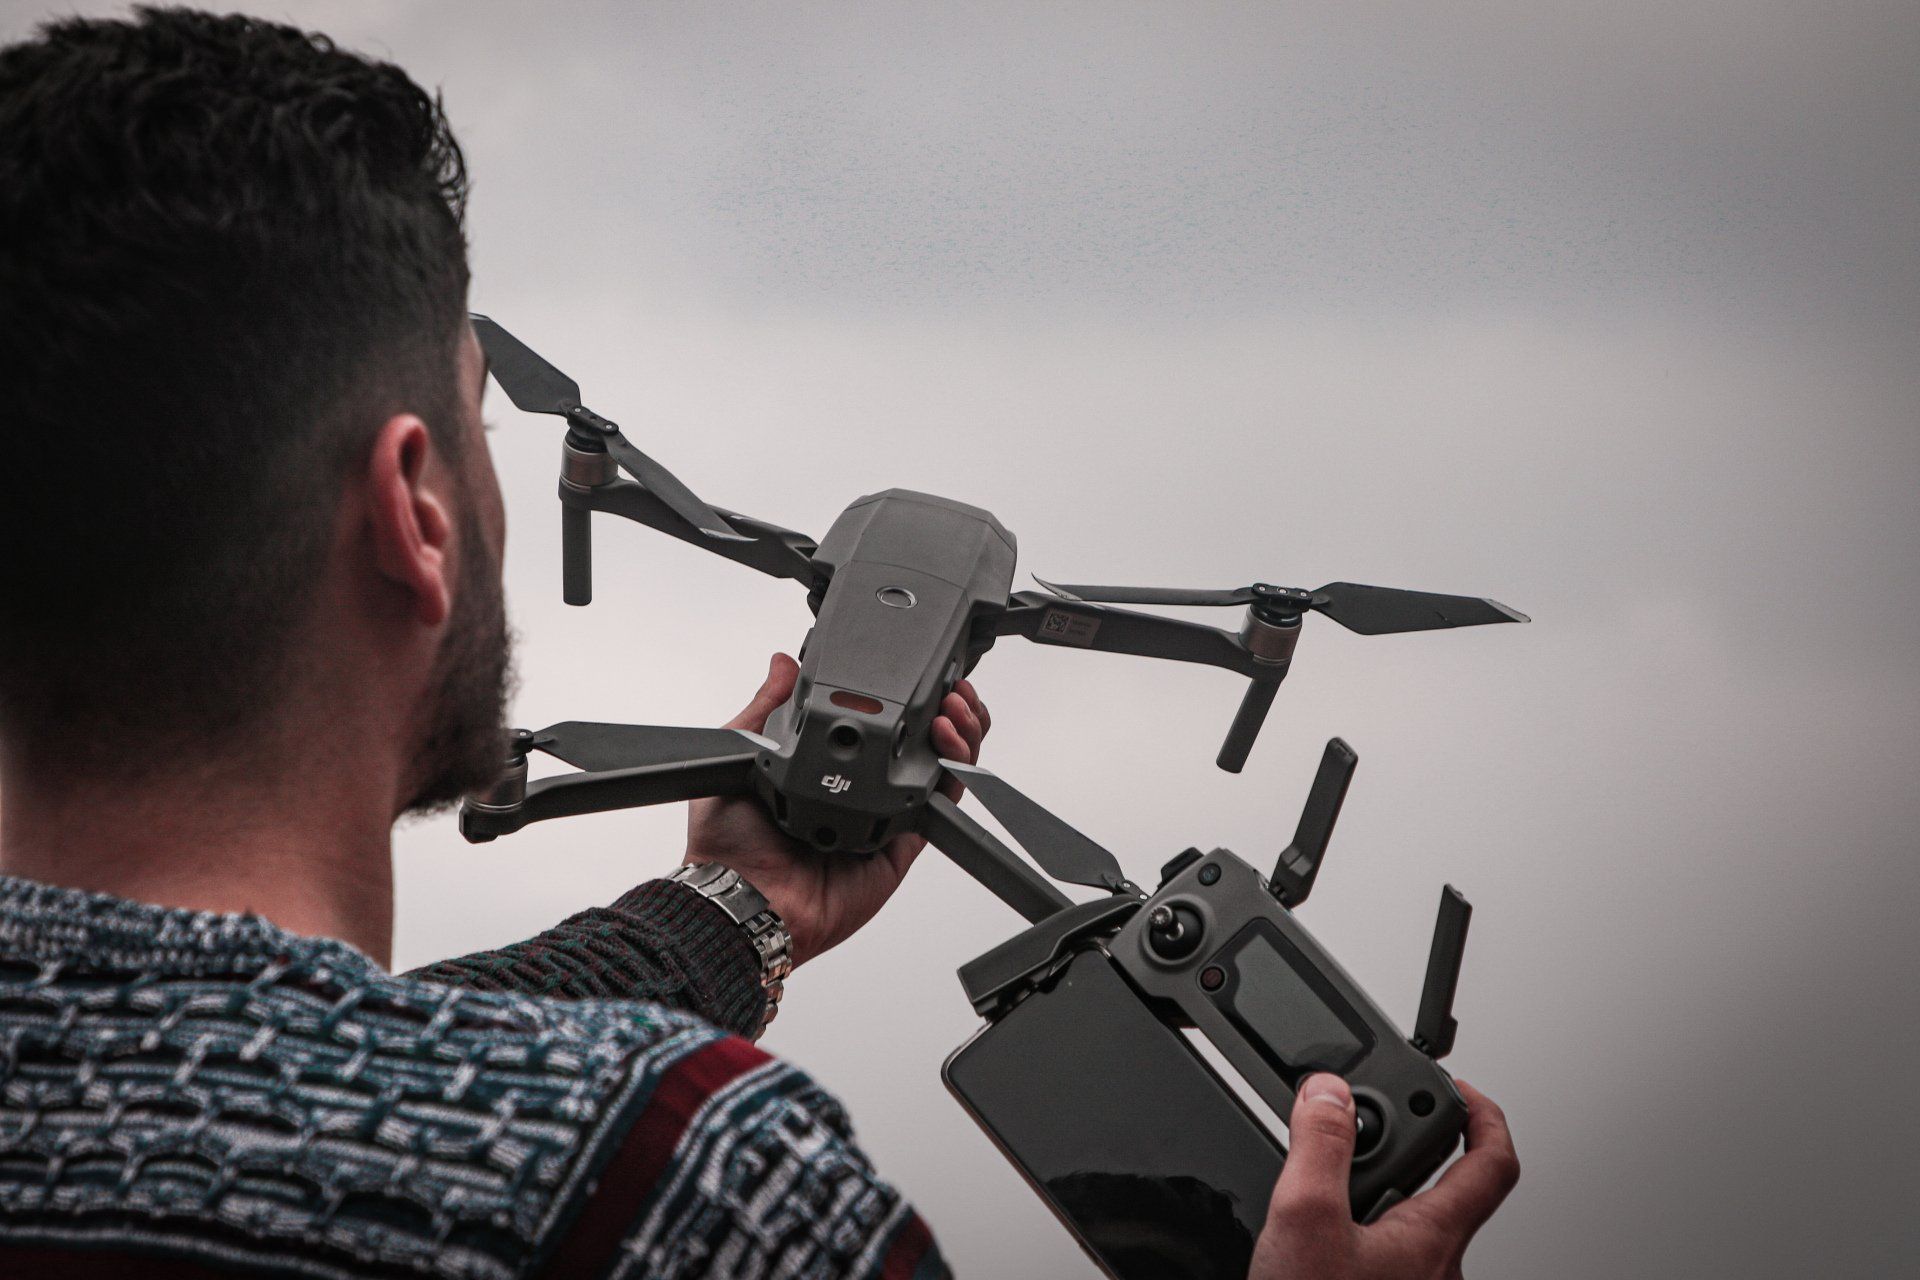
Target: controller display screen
1285,1007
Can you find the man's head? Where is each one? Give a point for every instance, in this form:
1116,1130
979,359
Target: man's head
233,351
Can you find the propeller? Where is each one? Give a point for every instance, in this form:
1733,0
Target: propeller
1371,611
1275,621
535,386
598,748
1061,850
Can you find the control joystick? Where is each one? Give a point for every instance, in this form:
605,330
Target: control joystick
1174,931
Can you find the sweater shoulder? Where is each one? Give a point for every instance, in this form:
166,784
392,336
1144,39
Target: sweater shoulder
256,1095
215,1091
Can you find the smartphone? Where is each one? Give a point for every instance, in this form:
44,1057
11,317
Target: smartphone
1108,1112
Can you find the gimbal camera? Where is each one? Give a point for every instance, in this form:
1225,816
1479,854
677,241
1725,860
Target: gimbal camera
1082,1075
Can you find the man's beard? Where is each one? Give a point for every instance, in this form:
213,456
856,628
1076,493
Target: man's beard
465,747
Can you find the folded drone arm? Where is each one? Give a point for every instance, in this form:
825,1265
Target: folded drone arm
1051,619
772,550
1077,624
721,773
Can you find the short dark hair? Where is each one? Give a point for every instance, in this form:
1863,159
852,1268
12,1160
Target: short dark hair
229,250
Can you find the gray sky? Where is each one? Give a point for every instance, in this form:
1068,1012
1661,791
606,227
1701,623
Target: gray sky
1607,311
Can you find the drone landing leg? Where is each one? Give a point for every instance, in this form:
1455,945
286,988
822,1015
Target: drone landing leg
1246,724
576,554
975,850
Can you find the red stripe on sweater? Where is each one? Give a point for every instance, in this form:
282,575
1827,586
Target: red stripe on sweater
629,1178
911,1245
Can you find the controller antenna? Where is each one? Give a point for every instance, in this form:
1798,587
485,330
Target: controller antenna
1434,1028
1299,864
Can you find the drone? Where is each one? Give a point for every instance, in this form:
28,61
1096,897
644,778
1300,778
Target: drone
908,590
1151,1161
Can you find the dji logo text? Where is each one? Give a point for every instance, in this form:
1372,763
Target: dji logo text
836,783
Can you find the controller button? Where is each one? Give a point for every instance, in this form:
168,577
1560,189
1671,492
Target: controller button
1421,1103
1213,977
1179,862
1370,1127
1210,873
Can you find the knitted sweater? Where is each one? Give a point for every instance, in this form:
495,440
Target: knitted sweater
188,1094
661,942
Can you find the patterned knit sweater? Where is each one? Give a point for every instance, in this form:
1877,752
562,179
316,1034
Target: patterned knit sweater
189,1094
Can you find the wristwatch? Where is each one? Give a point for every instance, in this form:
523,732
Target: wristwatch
747,907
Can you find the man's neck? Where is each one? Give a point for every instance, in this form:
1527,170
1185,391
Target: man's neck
315,858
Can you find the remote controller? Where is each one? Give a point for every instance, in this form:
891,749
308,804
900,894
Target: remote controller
1086,1079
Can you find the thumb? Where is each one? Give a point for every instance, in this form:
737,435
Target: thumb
774,690
1320,1135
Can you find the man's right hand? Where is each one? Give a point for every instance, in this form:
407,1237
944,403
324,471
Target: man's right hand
1310,1232
820,899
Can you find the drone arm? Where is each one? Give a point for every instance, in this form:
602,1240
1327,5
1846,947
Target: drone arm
576,793
1078,624
781,553
1261,652
975,850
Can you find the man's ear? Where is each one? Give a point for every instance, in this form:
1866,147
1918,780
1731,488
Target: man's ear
410,525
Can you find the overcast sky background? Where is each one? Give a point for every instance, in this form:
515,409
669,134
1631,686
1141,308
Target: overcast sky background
1608,311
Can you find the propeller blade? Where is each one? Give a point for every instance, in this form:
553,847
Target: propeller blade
667,487
1062,852
530,382
1146,595
535,386
1374,611
598,748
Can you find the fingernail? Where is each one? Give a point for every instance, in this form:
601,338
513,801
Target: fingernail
1328,1088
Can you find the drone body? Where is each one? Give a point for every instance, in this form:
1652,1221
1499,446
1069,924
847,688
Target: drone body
907,580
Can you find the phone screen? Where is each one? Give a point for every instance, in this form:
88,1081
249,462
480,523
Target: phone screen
1129,1135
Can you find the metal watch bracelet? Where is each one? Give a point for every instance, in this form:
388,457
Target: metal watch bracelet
747,907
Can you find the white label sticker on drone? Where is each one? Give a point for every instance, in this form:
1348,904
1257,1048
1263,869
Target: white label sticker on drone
1061,627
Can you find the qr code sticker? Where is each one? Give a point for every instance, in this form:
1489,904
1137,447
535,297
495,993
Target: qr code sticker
1061,627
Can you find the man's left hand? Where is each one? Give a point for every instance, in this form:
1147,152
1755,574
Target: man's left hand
822,898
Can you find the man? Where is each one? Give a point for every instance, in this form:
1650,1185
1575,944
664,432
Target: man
250,613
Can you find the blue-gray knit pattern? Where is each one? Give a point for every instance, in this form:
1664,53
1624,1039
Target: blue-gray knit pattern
168,1075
